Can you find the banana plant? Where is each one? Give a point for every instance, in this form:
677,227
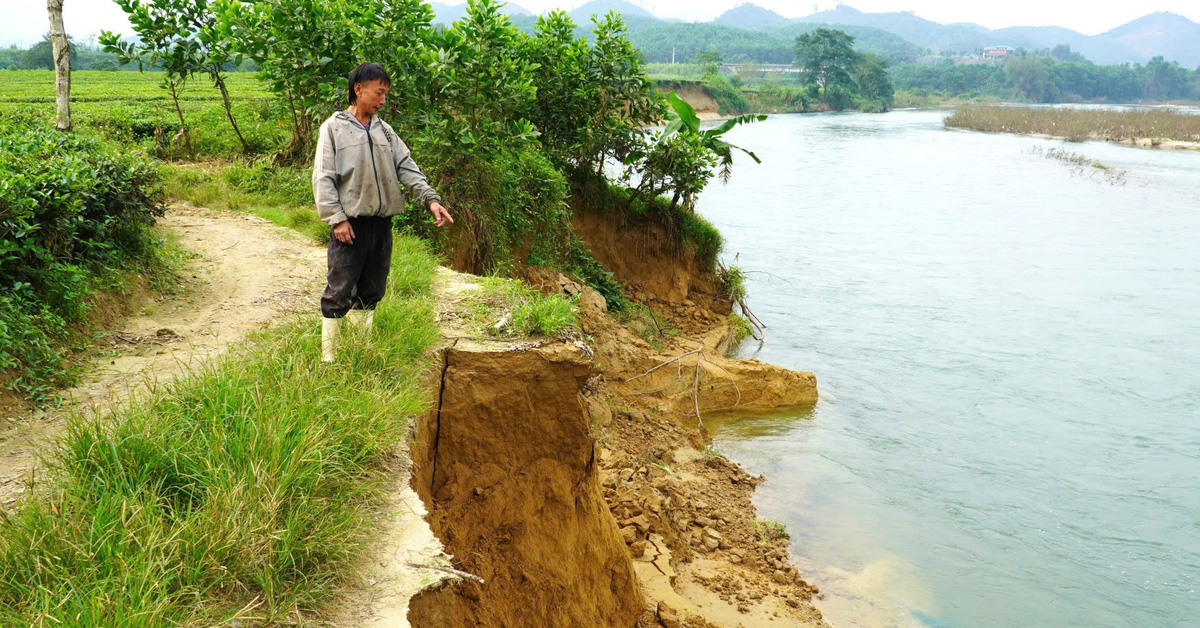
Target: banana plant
682,118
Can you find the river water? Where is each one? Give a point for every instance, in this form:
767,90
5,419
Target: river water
1008,355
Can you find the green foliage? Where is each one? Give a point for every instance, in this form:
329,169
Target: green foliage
688,229
740,327
73,213
580,263
733,282
41,57
246,484
305,51
483,85
874,87
773,97
512,309
1041,78
657,40
682,158
647,325
591,100
543,315
827,59
769,530
730,100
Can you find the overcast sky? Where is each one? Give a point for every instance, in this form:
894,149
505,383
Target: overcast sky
24,21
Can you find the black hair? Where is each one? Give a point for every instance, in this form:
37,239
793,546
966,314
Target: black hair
365,73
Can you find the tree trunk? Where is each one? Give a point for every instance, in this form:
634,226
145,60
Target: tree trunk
220,81
183,130
61,50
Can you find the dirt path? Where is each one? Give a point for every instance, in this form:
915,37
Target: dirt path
247,273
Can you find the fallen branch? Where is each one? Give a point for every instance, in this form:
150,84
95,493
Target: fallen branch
759,327
696,393
449,570
674,359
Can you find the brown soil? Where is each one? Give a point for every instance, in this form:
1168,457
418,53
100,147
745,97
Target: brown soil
577,487
505,463
247,273
695,95
684,511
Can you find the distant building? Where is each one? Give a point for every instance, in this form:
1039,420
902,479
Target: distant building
999,52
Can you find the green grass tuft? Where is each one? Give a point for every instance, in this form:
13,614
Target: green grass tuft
512,309
281,194
249,482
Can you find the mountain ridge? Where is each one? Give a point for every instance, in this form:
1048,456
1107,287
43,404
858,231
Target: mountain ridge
1170,35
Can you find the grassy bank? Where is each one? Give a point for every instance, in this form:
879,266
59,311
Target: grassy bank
281,194
1079,125
239,491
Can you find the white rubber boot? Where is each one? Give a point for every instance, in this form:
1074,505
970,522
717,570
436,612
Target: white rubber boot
329,334
363,320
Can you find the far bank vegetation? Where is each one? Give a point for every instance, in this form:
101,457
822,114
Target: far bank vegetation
1078,125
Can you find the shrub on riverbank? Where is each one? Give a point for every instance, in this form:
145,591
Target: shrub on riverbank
1078,125
75,220
246,485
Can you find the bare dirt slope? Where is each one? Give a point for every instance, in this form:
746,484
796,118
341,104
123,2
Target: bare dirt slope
246,274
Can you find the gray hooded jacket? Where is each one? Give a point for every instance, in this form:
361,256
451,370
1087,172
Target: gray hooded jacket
359,173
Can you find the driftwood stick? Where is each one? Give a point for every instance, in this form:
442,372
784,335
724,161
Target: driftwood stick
674,359
449,570
696,393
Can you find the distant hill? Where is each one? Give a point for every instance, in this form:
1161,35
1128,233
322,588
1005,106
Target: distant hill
748,32
657,39
922,32
1173,36
583,14
1168,34
1098,50
751,17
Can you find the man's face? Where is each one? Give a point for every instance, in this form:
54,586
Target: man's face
370,96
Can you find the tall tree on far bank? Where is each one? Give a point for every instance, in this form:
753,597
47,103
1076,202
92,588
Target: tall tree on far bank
62,64
826,59
873,82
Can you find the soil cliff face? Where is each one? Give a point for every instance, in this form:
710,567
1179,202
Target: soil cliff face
649,529
505,463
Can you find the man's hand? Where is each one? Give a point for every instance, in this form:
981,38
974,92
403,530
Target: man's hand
344,232
440,215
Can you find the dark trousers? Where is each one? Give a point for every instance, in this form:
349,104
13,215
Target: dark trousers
358,272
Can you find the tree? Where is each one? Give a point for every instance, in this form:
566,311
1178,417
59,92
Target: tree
40,56
873,82
183,36
305,50
1164,80
1032,76
163,44
826,59
709,61
62,64
682,156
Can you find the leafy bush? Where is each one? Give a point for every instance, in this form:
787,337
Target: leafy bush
73,213
730,100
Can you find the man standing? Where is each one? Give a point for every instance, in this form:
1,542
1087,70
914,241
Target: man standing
359,168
